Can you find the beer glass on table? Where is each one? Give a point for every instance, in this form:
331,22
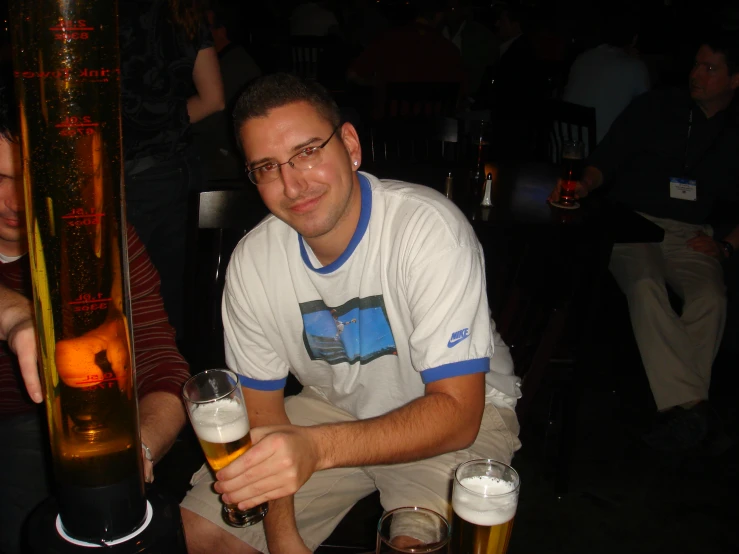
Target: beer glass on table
484,500
412,530
573,152
218,415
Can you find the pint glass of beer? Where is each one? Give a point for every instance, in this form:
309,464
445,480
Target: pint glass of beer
412,530
572,156
484,501
218,415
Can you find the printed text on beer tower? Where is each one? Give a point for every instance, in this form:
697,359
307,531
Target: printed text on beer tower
71,30
76,126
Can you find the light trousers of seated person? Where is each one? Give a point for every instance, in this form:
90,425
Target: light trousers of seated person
677,350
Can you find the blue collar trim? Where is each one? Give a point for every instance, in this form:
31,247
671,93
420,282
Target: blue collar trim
364,217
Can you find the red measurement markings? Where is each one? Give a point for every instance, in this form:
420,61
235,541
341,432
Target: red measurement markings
94,379
72,30
89,303
107,380
79,218
73,126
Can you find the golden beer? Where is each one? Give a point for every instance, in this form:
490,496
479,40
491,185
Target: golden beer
219,454
222,428
484,508
223,431
66,69
480,539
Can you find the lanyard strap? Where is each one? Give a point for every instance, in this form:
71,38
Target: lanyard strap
687,142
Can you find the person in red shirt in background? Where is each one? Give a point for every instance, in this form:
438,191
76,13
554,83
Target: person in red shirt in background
160,368
414,53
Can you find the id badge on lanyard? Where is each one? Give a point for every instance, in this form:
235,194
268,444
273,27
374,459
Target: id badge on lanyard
683,189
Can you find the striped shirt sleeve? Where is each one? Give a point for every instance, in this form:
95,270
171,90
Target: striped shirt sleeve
159,364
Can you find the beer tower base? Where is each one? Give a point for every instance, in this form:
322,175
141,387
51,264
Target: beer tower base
119,509
163,534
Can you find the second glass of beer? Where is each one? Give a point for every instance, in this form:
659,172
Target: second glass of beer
218,415
572,156
484,501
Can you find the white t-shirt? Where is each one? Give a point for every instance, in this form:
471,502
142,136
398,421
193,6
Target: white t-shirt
608,79
404,305
9,259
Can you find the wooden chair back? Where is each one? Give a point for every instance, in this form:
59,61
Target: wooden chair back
306,53
218,220
563,121
414,140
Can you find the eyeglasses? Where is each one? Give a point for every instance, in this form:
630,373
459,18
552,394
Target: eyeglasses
307,158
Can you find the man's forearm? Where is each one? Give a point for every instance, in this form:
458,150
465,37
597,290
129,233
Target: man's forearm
161,416
429,426
279,524
280,527
592,178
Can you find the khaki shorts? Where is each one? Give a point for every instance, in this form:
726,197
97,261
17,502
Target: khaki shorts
328,495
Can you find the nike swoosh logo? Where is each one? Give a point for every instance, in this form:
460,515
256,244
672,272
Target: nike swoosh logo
455,342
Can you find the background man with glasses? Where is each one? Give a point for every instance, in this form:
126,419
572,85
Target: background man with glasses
672,157
373,294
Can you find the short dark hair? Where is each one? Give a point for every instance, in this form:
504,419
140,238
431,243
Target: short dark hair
8,119
280,89
726,43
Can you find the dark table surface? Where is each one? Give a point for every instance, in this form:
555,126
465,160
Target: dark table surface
520,192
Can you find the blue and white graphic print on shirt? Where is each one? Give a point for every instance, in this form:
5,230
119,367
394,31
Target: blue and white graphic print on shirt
357,331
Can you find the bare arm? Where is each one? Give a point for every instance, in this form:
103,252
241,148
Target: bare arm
207,78
17,327
267,408
445,419
161,417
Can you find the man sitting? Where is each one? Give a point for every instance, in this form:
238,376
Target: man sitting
673,158
372,293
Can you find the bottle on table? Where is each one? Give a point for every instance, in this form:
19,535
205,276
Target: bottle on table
449,186
487,192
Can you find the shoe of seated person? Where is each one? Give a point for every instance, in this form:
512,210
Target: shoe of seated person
681,429
717,439
677,429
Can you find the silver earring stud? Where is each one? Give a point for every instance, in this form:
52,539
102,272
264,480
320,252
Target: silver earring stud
356,162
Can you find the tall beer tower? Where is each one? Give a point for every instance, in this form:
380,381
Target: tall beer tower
66,61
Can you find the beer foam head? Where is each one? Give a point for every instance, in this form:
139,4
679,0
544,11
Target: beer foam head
220,422
496,507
